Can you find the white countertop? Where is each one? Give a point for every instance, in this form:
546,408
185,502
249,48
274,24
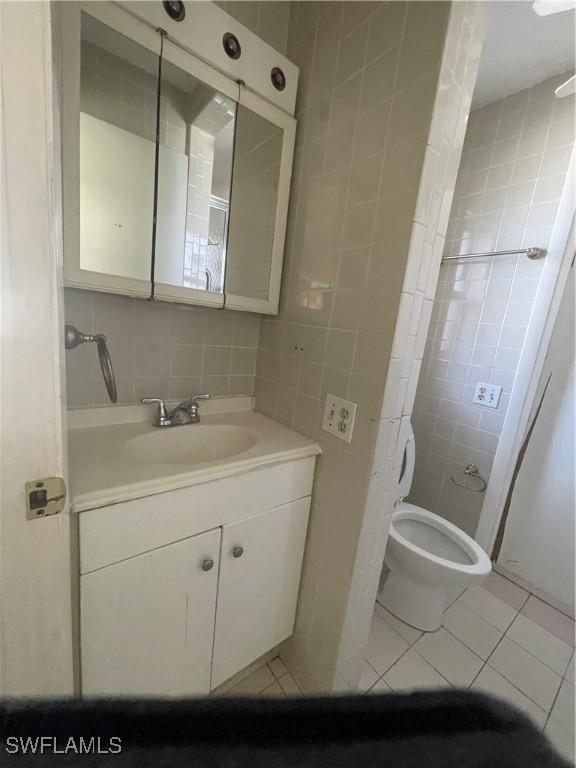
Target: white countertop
104,469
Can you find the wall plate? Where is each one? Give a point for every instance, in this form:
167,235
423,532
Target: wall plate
45,497
339,417
487,394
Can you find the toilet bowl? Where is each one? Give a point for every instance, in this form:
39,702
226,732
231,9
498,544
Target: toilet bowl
427,557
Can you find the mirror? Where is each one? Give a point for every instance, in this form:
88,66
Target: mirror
176,176
118,85
256,177
194,182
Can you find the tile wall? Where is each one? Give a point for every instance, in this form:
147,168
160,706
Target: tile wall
368,190
159,350
513,169
163,349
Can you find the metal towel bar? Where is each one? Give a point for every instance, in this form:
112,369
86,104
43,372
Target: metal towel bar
532,253
472,469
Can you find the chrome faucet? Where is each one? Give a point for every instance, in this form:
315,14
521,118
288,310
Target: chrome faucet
186,412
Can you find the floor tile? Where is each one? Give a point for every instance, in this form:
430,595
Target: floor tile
381,686
555,622
492,682
471,628
278,667
490,608
561,739
368,677
524,671
289,685
404,630
555,653
412,672
253,684
384,645
569,674
505,589
273,690
563,709
449,656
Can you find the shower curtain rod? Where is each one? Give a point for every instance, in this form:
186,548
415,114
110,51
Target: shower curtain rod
532,253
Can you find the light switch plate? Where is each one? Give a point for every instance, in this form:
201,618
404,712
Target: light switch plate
487,394
339,417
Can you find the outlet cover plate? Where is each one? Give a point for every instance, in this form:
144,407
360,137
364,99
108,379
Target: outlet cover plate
339,417
487,394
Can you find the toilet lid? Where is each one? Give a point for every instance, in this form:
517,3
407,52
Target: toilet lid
408,461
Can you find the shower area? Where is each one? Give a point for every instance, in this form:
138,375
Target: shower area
510,184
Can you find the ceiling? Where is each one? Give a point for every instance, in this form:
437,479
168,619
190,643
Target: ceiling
522,49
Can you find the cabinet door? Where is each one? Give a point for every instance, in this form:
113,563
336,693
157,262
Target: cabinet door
147,623
261,560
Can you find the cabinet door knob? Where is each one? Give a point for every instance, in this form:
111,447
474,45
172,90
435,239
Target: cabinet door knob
237,551
207,564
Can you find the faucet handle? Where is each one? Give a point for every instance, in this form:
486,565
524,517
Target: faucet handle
162,415
199,397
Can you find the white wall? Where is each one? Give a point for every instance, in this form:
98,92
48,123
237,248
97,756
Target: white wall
538,543
35,578
510,181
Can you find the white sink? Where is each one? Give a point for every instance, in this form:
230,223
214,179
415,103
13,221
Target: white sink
190,444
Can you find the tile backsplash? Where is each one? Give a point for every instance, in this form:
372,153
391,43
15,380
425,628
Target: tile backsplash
159,349
511,177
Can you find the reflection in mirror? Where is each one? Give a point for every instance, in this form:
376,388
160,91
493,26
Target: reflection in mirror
257,155
195,167
118,97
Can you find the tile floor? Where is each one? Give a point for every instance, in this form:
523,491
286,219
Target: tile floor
496,637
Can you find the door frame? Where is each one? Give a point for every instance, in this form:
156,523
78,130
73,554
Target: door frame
553,279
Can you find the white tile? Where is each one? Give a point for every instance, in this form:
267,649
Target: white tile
278,667
289,685
253,684
540,643
528,674
471,628
404,630
490,608
413,672
563,709
273,690
368,677
384,645
569,674
380,687
449,656
492,682
561,739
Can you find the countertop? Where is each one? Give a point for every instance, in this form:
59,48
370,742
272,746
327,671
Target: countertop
104,469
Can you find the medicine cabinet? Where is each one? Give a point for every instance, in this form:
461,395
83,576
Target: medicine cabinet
175,176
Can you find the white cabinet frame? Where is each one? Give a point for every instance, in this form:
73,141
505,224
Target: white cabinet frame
145,35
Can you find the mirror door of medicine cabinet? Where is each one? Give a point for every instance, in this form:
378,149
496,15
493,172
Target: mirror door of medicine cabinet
111,184
196,134
263,152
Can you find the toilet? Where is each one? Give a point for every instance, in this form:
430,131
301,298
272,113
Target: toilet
427,558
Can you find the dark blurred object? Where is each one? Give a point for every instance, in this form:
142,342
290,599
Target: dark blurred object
437,729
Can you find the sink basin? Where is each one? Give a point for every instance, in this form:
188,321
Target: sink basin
190,444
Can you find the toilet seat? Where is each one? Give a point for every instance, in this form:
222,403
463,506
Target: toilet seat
456,540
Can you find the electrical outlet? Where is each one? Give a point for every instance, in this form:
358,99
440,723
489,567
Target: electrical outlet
487,394
339,417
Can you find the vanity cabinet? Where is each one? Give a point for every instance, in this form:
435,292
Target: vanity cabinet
148,622
258,588
174,606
